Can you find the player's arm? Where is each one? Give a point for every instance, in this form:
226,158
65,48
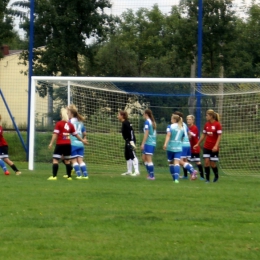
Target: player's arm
53,139
219,132
84,135
203,136
216,146
84,141
167,138
146,134
126,132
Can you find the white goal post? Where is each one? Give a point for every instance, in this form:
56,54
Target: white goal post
236,100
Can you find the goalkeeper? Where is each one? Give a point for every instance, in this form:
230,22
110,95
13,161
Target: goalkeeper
130,141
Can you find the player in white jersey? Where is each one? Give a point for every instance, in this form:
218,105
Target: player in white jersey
149,142
173,145
77,147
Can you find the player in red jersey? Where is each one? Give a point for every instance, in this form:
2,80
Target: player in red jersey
4,153
194,138
212,132
61,135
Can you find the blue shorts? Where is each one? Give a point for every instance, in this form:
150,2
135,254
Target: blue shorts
148,149
76,151
173,156
186,153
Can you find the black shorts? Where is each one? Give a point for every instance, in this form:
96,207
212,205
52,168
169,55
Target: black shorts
129,153
213,156
4,152
195,157
62,149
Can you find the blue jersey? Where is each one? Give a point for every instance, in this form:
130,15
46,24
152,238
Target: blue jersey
80,129
185,140
151,139
177,134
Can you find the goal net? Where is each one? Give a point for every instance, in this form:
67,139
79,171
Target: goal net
100,99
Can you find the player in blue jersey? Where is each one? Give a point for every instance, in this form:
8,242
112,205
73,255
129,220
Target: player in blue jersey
2,165
149,142
173,145
77,147
186,148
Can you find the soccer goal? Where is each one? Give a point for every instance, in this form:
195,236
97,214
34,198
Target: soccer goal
99,100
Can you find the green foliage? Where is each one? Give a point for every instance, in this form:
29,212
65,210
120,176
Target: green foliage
6,25
16,43
64,27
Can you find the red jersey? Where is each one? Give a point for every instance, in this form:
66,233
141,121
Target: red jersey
2,140
212,131
63,129
194,138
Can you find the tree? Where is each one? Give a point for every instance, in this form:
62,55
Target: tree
65,29
6,24
16,43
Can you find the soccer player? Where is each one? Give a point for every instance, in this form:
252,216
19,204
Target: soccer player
173,145
149,142
77,147
194,138
130,142
186,149
212,133
4,153
61,135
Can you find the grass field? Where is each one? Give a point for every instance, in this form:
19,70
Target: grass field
111,216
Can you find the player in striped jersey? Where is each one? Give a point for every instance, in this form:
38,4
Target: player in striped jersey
61,135
77,147
149,142
194,138
212,133
186,149
130,141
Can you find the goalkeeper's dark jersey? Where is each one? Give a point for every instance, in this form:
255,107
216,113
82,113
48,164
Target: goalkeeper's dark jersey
127,131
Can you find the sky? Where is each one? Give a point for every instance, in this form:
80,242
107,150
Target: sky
119,6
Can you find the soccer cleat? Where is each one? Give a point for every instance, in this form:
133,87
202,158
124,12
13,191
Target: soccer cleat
126,173
150,178
52,178
73,172
7,172
135,174
69,179
18,173
184,177
206,181
194,175
176,181
79,178
215,179
202,179
85,178
65,176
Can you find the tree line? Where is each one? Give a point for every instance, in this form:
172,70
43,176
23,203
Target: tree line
80,38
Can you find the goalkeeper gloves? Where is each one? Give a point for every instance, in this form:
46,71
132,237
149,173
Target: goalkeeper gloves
132,145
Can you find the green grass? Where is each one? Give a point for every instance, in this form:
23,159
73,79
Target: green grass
121,217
